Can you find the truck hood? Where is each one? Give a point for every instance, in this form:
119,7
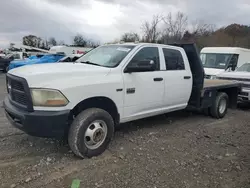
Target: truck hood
49,75
235,74
212,71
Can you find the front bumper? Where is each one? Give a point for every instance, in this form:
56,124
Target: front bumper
244,95
51,124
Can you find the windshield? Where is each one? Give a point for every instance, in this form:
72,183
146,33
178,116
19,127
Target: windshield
244,68
214,60
106,56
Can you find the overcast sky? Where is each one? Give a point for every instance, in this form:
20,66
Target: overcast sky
105,20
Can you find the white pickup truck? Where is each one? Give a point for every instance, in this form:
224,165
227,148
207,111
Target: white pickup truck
241,74
111,84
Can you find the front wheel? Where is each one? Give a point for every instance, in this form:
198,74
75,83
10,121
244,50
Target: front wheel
91,132
220,105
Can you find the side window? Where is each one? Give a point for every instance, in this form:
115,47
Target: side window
147,53
173,59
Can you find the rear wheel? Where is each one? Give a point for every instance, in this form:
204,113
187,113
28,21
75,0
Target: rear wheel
219,106
91,132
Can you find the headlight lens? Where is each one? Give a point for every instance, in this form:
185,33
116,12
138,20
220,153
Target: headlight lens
48,97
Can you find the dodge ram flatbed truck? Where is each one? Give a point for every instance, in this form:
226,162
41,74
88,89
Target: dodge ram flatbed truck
111,84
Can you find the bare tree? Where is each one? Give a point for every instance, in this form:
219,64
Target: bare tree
32,40
79,40
150,30
52,41
92,43
61,42
130,37
12,45
201,28
174,27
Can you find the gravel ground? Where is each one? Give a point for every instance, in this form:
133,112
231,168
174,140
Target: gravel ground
176,150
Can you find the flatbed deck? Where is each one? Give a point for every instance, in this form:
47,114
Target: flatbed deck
209,84
212,87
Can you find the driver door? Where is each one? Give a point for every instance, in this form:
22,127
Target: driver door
144,91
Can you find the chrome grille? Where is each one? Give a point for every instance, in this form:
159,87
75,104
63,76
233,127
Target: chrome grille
18,92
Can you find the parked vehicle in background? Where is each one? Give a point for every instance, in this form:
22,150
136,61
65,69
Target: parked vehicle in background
241,74
49,58
70,58
20,55
36,56
68,50
2,53
216,60
5,61
111,84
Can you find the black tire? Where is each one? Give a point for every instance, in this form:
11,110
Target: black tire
215,108
76,136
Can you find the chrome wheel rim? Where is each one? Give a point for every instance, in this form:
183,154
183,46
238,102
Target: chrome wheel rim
95,134
223,105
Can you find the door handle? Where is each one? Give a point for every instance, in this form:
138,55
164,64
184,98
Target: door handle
158,79
187,77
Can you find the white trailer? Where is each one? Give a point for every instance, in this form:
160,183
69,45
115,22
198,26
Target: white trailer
68,50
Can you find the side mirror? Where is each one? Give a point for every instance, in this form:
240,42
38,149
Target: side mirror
232,65
140,66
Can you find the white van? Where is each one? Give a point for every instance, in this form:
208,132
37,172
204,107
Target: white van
68,50
216,60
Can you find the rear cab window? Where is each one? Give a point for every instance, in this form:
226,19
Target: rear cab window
173,59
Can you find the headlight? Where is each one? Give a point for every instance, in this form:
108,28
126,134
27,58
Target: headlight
48,97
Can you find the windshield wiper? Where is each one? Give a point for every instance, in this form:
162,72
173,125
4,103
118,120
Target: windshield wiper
91,63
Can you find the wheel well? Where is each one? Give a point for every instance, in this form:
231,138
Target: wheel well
232,95
97,102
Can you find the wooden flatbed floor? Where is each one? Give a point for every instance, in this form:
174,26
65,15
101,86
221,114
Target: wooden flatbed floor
217,83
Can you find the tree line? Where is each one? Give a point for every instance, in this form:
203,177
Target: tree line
171,28
78,40
175,28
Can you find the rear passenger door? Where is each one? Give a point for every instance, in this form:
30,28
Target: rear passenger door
178,78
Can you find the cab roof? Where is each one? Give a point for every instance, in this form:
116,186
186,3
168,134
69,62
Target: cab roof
225,50
141,44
